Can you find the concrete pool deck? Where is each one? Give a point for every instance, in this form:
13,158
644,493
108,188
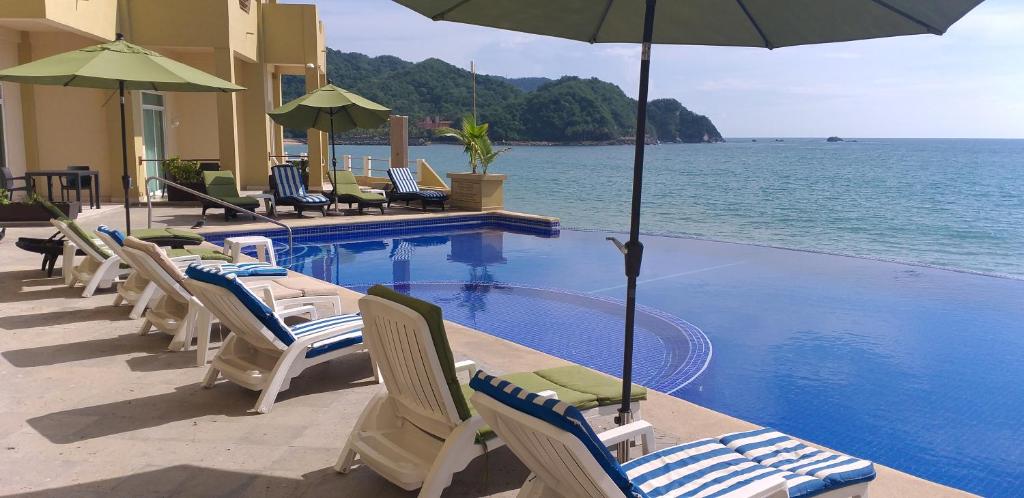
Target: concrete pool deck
89,408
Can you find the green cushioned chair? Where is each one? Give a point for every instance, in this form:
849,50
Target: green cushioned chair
222,186
401,431
346,191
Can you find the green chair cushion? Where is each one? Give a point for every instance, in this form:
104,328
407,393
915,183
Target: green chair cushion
166,233
345,185
241,201
202,252
607,389
220,184
535,383
485,433
88,238
435,322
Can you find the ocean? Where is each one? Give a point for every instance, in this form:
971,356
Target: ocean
956,204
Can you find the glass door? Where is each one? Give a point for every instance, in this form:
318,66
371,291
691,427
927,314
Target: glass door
153,138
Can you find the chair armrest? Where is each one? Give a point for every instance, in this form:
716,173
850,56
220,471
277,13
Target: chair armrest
187,260
548,394
629,431
298,310
333,301
468,366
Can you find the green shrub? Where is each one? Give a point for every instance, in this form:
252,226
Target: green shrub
184,172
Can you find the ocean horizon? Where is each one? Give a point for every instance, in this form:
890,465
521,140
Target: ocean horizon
956,204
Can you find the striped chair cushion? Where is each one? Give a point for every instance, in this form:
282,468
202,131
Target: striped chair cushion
433,194
288,181
113,233
559,414
256,306
333,343
403,181
707,469
775,449
307,199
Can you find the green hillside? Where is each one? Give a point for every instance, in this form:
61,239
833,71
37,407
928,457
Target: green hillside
566,110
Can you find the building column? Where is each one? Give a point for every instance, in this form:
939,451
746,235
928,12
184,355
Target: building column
227,112
255,167
277,131
316,140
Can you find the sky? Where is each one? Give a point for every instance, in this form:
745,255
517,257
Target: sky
966,84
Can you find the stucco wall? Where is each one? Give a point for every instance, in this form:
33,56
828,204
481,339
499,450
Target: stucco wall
14,136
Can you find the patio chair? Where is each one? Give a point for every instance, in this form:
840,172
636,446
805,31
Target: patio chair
406,189
568,459
98,270
346,191
7,182
289,190
71,184
221,185
262,353
420,430
136,289
176,312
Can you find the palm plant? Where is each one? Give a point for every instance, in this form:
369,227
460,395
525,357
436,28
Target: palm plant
473,137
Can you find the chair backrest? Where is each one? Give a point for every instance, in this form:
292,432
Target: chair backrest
152,263
403,181
345,183
416,365
220,184
552,438
238,308
288,181
73,180
6,178
209,166
81,238
113,239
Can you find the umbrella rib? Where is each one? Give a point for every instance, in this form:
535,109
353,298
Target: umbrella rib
600,24
753,22
440,15
906,15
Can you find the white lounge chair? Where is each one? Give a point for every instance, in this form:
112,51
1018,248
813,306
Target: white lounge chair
420,431
262,353
100,268
567,459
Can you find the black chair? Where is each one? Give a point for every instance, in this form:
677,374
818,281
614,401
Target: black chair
71,183
209,166
7,180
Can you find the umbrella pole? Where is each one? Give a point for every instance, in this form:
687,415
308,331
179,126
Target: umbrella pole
125,179
334,163
634,249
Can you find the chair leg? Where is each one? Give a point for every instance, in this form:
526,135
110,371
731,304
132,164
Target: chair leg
146,326
455,455
143,301
211,377
118,299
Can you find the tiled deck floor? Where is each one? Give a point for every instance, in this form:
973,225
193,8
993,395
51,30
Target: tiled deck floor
89,408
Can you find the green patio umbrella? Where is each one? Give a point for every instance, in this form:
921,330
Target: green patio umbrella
122,66
743,23
330,109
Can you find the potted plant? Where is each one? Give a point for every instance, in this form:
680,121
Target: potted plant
32,210
185,173
476,190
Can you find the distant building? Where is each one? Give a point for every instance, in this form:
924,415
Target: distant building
433,123
249,42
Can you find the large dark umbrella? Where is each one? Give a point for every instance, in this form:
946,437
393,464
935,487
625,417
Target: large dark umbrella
120,66
331,109
744,23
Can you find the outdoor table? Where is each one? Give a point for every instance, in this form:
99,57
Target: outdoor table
94,186
268,201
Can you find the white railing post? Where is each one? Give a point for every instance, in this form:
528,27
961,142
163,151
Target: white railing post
367,168
346,162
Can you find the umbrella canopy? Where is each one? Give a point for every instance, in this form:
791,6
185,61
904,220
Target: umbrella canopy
746,23
122,66
331,109
330,106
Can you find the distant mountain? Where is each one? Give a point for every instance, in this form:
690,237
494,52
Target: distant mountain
566,110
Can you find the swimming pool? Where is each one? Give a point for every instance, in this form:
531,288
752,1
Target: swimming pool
913,367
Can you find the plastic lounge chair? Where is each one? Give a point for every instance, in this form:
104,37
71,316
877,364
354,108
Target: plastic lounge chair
136,289
98,270
420,431
346,191
289,190
406,189
262,353
221,185
568,459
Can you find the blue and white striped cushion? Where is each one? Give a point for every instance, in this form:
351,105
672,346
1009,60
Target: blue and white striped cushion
314,326
334,343
113,233
307,198
402,251
707,469
775,449
247,269
433,194
559,414
210,275
403,181
288,181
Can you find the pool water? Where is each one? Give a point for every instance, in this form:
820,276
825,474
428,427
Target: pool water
915,368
